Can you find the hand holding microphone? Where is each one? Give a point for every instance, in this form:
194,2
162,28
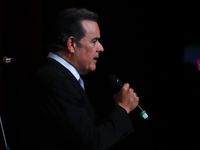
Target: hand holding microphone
126,98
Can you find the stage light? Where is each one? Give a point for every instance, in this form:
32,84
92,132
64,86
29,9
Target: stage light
192,55
198,68
198,62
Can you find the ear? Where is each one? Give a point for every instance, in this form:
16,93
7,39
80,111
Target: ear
71,44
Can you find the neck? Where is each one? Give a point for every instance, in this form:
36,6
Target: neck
67,57
63,54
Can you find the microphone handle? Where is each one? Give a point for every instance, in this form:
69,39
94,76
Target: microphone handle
4,137
143,113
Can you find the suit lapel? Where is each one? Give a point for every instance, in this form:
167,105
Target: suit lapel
67,73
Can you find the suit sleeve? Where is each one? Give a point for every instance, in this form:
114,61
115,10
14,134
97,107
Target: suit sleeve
71,121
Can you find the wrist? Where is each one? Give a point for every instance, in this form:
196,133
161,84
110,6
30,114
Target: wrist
125,108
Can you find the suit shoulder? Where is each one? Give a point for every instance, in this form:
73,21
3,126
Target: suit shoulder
48,71
51,69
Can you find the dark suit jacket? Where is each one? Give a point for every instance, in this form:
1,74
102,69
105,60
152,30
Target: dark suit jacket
56,114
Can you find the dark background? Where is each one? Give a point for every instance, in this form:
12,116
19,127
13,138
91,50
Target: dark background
144,44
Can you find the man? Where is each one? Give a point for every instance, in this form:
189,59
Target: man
56,112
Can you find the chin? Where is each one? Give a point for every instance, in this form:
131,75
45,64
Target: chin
93,68
88,71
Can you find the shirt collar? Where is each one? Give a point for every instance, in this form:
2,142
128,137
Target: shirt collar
65,64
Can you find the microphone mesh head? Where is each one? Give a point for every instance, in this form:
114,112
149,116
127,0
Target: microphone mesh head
115,83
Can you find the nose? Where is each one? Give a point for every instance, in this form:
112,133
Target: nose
100,48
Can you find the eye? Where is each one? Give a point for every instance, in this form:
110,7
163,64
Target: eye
94,41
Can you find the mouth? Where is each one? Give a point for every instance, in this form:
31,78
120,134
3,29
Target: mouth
95,59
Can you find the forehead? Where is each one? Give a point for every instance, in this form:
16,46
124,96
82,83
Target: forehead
91,28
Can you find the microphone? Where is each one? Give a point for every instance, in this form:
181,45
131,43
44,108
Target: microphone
7,60
4,137
116,84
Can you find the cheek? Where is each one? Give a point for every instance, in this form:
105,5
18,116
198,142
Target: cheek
91,61
87,57
90,55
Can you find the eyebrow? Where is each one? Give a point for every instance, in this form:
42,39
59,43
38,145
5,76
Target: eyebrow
96,38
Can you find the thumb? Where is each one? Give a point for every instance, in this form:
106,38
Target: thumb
126,86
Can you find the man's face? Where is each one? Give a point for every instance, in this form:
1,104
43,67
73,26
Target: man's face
86,55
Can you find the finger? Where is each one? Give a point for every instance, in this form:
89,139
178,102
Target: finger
137,98
126,86
134,94
131,90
